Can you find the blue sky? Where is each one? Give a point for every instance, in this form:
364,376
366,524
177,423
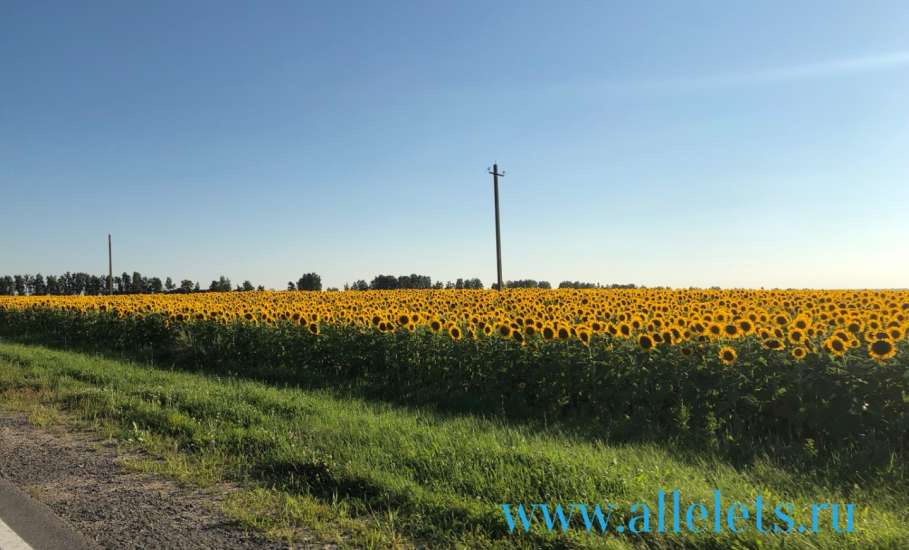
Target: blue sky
661,143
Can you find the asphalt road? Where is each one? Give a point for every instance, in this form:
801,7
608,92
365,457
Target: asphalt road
26,524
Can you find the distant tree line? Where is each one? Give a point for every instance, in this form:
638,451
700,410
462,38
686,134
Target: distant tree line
581,284
526,283
309,281
85,283
412,281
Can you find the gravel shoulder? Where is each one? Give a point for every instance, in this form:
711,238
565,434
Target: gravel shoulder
82,480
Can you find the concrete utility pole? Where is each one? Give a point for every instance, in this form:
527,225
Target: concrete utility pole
495,185
110,268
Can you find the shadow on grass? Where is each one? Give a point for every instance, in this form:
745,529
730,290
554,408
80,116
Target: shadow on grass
843,466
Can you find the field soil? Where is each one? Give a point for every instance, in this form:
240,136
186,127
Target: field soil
83,480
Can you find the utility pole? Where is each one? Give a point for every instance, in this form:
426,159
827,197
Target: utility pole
495,185
110,269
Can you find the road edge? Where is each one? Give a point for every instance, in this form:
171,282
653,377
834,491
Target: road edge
36,524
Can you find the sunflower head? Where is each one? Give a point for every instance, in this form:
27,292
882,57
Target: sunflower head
746,326
881,349
727,355
835,346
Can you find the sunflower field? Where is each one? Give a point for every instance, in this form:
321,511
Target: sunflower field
724,367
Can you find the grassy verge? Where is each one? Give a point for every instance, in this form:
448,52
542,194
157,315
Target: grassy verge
373,475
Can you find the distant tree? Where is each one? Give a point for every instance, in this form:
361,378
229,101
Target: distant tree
331,289
390,282
139,284
414,281
360,284
6,286
169,284
29,282
19,284
384,282
577,284
154,285
39,286
473,284
186,285
291,285
197,288
81,283
52,285
526,283
438,285
95,285
310,281
125,283
247,286
221,285
260,288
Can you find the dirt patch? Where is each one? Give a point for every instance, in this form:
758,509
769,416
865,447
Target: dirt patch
82,481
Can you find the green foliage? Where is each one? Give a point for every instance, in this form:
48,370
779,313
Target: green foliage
613,390
415,476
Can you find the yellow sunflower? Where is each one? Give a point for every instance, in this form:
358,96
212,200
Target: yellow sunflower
727,355
881,349
835,346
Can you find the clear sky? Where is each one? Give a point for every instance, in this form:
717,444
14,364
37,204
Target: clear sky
739,144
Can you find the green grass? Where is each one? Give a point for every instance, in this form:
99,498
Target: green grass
312,465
